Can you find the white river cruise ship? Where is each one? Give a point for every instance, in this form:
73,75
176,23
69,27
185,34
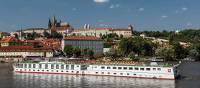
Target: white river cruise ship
152,71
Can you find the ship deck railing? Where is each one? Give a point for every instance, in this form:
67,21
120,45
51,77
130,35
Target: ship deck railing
127,63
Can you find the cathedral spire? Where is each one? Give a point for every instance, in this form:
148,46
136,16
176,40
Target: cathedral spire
49,23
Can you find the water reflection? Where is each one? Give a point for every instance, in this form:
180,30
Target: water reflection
26,80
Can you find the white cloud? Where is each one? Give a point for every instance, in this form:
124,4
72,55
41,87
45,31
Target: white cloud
164,16
114,6
101,1
141,9
184,8
74,9
103,25
188,24
100,21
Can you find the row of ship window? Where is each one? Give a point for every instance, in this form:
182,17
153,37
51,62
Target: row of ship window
131,68
62,66
45,66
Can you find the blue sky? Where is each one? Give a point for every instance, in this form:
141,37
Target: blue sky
143,14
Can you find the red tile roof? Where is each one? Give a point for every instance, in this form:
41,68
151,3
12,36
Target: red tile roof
104,29
4,33
24,49
89,38
10,39
121,29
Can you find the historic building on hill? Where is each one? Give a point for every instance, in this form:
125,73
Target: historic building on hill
97,32
60,27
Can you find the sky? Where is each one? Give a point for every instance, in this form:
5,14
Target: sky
156,15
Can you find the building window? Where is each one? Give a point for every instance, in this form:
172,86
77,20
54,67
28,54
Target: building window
136,68
114,67
158,69
125,68
121,73
119,68
154,69
21,65
52,66
57,66
40,66
148,69
130,68
108,67
62,66
25,65
102,67
46,66
142,69
66,67
29,65
33,65
114,73
72,67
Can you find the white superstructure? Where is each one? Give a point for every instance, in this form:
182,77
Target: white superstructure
136,71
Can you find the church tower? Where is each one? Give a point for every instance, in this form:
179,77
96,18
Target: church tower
52,24
130,27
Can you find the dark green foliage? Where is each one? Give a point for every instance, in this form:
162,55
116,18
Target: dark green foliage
68,50
91,54
56,35
110,37
46,34
77,52
179,51
167,54
137,45
88,53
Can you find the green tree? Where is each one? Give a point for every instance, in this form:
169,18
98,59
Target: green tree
179,51
138,45
68,50
91,54
132,56
166,53
193,53
56,35
77,52
85,53
171,39
46,34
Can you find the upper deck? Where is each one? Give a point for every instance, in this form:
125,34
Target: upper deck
110,63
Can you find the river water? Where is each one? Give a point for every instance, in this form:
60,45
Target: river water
8,79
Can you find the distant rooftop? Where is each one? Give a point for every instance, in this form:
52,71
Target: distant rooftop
90,38
23,49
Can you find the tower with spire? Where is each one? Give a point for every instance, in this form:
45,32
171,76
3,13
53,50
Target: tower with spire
130,27
52,24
